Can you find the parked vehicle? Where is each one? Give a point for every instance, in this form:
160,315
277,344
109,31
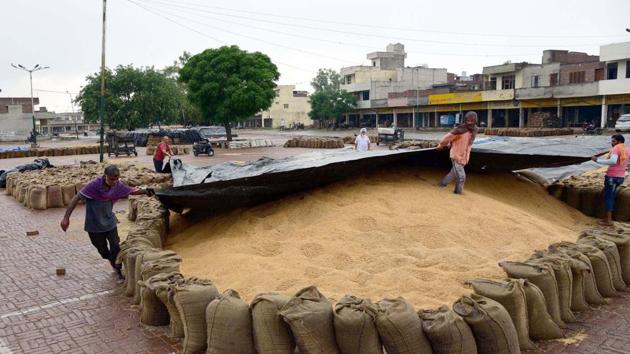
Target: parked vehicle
203,147
623,123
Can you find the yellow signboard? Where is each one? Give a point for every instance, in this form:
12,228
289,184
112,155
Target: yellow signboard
618,99
455,97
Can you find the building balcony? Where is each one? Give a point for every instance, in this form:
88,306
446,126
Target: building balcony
614,87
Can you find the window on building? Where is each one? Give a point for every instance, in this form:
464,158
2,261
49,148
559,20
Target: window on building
553,79
507,83
576,77
493,83
611,71
373,62
365,95
628,69
348,79
286,106
599,74
535,81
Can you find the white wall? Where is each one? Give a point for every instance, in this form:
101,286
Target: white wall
15,121
614,87
614,51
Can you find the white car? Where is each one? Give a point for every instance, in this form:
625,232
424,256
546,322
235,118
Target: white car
623,123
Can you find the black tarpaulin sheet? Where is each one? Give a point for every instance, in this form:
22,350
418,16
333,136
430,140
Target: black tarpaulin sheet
232,185
510,153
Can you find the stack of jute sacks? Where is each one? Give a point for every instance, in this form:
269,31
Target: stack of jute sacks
422,144
177,149
541,295
586,193
315,143
531,132
56,186
60,151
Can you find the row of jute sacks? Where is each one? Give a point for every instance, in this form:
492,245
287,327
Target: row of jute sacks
177,149
589,199
530,132
315,143
60,151
541,295
55,187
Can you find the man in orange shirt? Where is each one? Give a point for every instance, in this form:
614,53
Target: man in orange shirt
461,139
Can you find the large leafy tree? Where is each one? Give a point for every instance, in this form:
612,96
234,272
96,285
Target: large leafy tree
135,97
190,114
229,85
329,101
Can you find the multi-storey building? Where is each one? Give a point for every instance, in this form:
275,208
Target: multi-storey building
289,107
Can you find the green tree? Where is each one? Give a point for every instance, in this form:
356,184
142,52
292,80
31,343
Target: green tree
229,85
134,97
329,101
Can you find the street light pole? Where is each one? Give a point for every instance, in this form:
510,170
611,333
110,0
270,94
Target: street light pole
101,108
30,74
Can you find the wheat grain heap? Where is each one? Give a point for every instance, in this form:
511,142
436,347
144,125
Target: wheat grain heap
390,234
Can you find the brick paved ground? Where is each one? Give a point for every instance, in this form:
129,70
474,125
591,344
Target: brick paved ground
83,312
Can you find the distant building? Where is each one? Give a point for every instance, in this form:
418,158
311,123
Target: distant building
289,106
387,75
16,117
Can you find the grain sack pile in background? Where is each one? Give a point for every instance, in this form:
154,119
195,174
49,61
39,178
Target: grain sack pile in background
57,151
586,193
315,143
421,144
55,187
177,149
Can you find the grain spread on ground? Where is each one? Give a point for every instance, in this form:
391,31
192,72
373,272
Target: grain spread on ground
385,235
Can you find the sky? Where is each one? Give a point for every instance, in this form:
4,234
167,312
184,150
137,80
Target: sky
298,36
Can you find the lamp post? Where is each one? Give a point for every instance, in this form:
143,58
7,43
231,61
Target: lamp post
30,74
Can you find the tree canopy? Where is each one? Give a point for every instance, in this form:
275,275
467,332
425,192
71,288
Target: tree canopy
229,85
134,97
329,101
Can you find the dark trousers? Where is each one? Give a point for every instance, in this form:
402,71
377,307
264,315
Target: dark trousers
100,241
611,184
158,166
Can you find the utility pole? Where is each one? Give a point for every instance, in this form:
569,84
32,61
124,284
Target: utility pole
101,108
76,129
30,74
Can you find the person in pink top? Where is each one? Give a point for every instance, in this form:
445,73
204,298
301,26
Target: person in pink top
617,162
460,139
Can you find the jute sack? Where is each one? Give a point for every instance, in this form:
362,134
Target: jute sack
543,277
271,334
68,191
573,196
490,323
167,294
54,197
38,197
400,328
141,257
229,325
511,295
125,248
310,317
622,205
355,330
622,241
601,269
612,254
150,234
591,293
541,325
578,270
191,301
153,311
22,192
564,279
590,200
447,332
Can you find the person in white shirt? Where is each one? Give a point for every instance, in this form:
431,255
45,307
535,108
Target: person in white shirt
362,142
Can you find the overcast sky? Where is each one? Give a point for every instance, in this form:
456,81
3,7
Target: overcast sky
299,36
